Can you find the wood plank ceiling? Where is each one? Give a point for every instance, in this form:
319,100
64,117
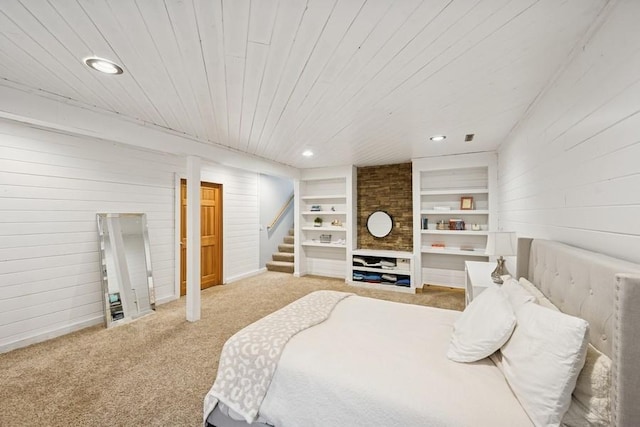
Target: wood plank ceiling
360,82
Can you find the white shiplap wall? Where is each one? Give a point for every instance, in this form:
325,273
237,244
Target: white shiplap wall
571,170
52,185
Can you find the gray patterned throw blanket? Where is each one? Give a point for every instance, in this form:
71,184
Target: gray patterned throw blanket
249,358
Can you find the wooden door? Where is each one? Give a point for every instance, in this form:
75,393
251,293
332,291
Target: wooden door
210,235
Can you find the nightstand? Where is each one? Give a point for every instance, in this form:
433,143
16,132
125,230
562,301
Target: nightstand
477,278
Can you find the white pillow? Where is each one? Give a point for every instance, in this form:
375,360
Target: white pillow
542,360
483,327
516,293
591,399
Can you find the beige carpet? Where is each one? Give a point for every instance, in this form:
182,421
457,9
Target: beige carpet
156,370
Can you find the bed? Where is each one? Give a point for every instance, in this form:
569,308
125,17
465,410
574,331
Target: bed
373,362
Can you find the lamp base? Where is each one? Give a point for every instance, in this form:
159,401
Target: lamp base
500,270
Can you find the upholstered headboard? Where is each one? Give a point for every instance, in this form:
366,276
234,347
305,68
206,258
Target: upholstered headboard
604,291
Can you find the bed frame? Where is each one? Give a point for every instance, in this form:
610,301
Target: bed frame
604,291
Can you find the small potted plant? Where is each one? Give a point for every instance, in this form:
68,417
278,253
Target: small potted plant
317,222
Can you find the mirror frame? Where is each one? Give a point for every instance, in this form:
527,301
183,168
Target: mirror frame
102,231
379,224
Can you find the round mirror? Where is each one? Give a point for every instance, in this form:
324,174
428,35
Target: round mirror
379,224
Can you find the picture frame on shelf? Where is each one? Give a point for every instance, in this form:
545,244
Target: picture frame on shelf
466,203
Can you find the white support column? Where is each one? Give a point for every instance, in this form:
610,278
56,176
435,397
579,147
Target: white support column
193,238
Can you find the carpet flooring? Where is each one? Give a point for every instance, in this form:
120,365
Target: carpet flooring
156,370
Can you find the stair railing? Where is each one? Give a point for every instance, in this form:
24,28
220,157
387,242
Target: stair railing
280,214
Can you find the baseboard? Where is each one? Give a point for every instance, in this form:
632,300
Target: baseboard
65,330
245,275
378,286
99,319
51,334
443,287
166,299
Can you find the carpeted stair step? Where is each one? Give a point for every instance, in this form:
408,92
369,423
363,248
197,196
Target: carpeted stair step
285,247
291,232
283,256
288,239
281,266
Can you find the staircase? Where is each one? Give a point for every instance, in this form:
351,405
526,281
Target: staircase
283,259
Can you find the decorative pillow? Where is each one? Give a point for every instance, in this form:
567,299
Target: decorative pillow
516,293
542,360
591,399
483,327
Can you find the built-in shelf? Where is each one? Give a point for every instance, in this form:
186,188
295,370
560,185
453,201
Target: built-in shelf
453,251
324,197
323,245
439,190
329,194
400,266
381,287
446,192
323,213
383,270
324,229
455,212
458,232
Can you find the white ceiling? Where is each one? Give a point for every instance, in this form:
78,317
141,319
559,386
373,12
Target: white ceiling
359,82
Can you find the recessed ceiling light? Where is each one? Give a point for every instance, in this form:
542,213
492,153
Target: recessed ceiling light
103,65
307,153
437,138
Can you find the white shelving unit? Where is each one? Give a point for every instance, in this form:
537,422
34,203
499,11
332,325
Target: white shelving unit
438,186
404,269
323,250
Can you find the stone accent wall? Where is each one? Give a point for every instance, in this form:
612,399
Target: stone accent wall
386,188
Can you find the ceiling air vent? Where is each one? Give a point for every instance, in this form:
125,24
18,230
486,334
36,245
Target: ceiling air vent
469,137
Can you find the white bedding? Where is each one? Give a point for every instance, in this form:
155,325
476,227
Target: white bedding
250,357
381,363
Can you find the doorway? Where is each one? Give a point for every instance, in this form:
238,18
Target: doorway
210,235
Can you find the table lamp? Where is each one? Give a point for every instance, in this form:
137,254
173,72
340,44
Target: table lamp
501,243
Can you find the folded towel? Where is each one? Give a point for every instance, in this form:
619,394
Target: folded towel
372,277
389,277
404,282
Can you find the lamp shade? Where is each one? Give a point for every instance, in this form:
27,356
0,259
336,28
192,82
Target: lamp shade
501,243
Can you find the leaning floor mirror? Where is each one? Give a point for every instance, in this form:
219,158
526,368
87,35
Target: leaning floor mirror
127,282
